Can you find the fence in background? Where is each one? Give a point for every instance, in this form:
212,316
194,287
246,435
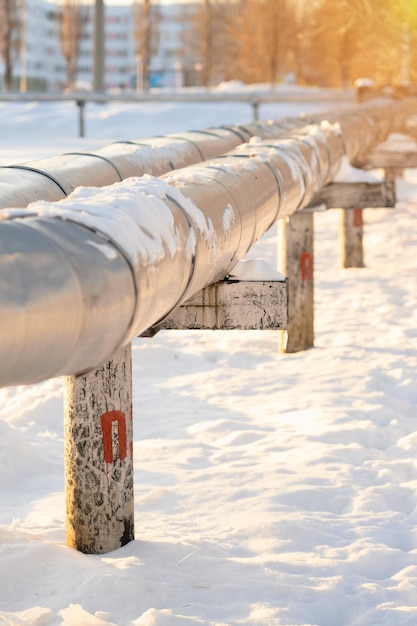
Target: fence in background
253,99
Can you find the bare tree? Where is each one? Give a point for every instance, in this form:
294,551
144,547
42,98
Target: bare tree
354,38
246,58
207,51
261,39
207,38
72,23
198,38
146,38
271,24
10,35
403,30
321,42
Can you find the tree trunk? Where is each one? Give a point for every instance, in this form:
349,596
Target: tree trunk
207,44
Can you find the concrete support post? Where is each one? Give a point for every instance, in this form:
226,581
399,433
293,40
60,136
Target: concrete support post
296,256
98,456
351,238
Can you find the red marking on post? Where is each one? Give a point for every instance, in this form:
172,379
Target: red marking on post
306,265
107,420
131,440
357,218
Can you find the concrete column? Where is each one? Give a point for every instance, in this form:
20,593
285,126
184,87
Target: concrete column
99,456
351,238
296,259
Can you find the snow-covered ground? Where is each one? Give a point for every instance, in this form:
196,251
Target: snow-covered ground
270,489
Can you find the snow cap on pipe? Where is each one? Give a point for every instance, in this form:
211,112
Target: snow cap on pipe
271,128
329,135
155,228
255,185
367,124
194,182
149,156
304,154
316,154
287,170
247,192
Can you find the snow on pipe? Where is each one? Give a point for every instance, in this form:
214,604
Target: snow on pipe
55,178
362,127
83,276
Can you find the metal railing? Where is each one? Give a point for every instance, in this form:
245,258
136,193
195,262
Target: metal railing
253,99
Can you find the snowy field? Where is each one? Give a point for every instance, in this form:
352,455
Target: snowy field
270,489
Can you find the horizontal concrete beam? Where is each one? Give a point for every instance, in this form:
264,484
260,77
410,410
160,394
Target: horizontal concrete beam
390,159
232,305
360,195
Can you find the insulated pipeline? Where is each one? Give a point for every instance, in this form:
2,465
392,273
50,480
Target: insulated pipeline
56,177
82,276
52,179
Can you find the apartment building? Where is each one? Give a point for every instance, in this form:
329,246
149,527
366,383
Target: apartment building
40,64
